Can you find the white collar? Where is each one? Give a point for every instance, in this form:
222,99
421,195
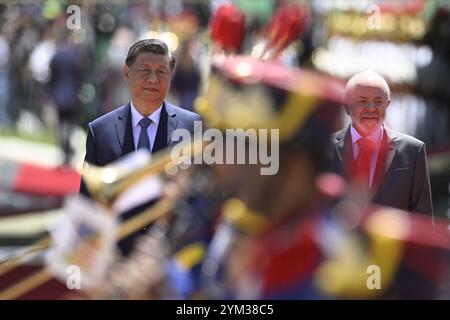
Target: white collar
136,116
375,136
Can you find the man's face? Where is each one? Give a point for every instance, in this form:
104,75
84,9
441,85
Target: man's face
148,80
367,106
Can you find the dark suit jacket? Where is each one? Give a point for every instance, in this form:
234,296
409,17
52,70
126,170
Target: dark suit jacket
111,135
401,178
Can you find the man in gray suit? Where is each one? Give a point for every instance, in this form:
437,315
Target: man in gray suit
387,166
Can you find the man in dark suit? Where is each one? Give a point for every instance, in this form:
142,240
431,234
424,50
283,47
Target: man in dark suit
387,166
148,121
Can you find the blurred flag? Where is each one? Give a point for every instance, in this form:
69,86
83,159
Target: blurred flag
38,180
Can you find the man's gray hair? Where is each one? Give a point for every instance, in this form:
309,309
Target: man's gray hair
368,78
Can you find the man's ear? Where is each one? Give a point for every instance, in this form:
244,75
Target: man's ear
388,103
126,72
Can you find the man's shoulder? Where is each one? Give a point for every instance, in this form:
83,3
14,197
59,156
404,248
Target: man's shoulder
111,116
405,139
182,113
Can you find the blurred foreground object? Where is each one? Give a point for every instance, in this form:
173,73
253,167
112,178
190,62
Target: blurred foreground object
288,23
32,187
228,28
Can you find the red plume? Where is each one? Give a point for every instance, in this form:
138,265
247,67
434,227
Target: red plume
228,27
286,26
407,7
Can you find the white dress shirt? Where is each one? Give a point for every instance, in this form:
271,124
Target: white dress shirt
375,137
152,128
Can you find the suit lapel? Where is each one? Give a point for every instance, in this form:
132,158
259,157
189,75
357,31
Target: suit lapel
124,131
167,124
172,122
339,144
392,144
344,150
385,158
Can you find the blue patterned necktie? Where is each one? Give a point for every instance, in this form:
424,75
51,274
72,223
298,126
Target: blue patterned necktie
144,141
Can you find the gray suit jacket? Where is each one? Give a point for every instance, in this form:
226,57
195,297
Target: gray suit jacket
401,177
